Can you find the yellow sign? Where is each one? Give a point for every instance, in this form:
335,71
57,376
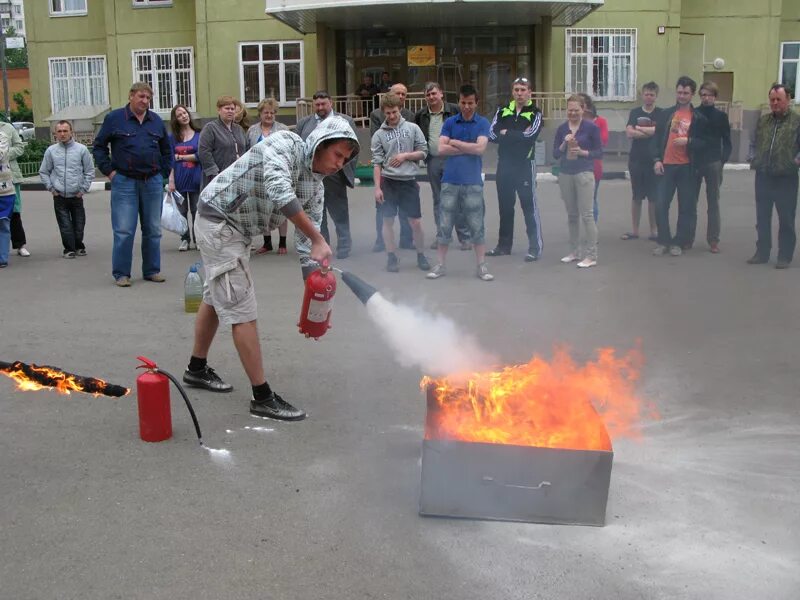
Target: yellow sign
422,56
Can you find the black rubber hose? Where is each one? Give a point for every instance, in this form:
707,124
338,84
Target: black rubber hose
185,399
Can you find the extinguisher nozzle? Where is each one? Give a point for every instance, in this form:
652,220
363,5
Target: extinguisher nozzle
360,288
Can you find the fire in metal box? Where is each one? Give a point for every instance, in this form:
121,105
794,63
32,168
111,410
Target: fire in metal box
511,482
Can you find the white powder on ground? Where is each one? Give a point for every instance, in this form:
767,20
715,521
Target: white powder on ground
431,342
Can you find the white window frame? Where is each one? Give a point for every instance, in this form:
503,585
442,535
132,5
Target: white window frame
151,3
155,83
612,83
70,89
796,61
282,100
68,13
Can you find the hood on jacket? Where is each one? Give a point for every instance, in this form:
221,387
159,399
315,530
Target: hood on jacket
332,128
385,124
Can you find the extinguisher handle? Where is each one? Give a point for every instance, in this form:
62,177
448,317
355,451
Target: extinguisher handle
325,266
146,363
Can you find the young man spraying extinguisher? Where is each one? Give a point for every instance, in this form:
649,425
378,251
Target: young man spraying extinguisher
278,179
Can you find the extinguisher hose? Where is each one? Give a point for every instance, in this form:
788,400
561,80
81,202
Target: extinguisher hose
185,399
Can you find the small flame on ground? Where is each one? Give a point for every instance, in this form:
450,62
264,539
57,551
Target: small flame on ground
248,428
555,404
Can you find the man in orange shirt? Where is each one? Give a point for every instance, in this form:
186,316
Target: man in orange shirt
673,148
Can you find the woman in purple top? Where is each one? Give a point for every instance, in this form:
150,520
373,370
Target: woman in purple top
187,174
577,144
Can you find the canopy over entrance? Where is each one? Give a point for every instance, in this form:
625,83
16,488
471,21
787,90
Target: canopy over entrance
304,15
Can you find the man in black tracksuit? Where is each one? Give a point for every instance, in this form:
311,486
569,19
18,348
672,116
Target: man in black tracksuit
515,128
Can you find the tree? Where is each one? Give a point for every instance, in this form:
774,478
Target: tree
23,112
16,58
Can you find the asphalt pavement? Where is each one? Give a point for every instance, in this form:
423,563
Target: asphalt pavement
703,506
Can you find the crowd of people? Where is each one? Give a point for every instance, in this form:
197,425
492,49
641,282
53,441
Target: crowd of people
241,181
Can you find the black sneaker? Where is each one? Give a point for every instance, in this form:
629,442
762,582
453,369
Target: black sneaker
498,252
531,256
757,259
206,379
276,407
392,264
422,262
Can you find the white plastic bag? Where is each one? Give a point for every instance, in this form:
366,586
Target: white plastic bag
171,218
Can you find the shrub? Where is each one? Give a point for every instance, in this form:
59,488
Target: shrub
34,151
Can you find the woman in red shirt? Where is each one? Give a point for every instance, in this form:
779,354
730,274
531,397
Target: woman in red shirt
590,114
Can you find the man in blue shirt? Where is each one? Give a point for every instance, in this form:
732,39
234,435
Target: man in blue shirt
140,159
463,139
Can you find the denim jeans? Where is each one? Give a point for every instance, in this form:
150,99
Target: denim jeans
5,240
682,178
71,219
435,172
132,200
458,201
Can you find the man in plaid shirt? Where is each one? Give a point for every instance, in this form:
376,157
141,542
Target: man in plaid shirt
278,179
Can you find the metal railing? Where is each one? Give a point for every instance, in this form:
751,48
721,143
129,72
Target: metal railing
357,107
29,169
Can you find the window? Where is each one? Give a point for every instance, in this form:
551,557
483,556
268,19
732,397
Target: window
790,65
140,3
19,25
67,7
78,81
601,63
17,9
271,69
169,71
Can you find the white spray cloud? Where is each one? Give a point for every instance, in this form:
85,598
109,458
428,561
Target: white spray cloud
431,342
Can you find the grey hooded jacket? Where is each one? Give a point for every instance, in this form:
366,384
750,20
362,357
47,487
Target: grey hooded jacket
67,168
272,181
389,141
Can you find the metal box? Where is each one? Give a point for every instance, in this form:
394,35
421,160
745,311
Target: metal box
512,483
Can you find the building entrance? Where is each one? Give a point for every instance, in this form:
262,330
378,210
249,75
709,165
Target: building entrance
487,58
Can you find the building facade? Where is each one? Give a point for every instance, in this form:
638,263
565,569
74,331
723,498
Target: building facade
86,53
14,18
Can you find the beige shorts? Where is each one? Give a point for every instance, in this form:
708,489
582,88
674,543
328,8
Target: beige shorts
228,285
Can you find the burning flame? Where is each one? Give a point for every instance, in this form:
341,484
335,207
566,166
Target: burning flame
44,378
555,404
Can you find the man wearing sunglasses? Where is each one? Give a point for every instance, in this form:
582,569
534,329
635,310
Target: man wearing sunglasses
515,128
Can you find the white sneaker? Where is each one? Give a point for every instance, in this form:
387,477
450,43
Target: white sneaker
438,271
184,246
660,250
569,258
23,252
586,263
483,272
675,251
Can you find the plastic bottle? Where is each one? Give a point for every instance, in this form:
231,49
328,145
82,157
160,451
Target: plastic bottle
192,290
200,270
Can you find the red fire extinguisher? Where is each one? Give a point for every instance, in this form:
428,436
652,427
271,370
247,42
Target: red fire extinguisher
152,391
315,314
